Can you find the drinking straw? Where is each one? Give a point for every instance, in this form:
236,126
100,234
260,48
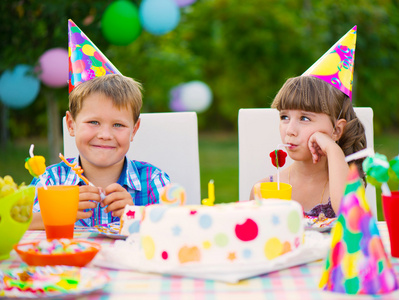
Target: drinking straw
78,170
278,164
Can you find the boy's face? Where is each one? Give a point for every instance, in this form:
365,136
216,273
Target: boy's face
102,131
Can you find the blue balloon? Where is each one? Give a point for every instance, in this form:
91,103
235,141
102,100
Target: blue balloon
19,87
159,16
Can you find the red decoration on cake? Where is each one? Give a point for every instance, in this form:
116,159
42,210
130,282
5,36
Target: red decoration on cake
247,231
130,214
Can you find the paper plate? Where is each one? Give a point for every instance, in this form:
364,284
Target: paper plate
78,259
313,223
110,230
50,282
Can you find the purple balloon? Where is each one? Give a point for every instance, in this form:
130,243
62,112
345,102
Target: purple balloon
182,3
175,103
54,67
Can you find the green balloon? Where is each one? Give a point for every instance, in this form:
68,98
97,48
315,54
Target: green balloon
120,23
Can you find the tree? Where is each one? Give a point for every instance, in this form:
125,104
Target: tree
28,29
244,50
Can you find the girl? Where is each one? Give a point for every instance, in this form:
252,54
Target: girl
319,124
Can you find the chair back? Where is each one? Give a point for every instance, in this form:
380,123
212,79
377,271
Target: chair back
258,135
169,141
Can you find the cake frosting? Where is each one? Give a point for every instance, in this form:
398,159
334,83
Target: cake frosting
224,234
130,220
172,194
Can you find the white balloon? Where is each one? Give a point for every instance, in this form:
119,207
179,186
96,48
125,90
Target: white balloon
196,96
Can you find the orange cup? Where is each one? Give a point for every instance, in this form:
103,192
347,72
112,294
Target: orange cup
59,208
390,205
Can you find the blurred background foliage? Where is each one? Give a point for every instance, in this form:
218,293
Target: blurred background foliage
243,50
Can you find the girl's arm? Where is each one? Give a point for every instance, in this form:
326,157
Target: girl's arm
320,144
338,171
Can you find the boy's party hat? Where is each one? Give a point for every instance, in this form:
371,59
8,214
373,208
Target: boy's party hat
336,66
86,61
357,262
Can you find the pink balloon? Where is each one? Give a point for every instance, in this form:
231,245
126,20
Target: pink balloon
54,67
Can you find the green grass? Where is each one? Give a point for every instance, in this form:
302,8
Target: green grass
218,161
13,155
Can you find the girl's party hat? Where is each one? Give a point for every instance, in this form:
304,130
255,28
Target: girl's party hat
86,61
357,262
336,66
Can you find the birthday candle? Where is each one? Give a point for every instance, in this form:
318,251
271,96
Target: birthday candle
211,191
211,194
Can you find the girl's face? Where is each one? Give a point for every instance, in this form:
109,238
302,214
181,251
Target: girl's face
102,131
296,127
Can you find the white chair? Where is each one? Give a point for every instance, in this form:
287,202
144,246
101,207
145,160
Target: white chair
258,135
169,141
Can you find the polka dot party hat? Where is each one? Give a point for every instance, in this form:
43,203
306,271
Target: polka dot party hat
86,61
357,262
336,66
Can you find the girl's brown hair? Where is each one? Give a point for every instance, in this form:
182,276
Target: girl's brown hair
315,95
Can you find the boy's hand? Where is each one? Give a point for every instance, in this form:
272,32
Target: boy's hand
88,198
116,198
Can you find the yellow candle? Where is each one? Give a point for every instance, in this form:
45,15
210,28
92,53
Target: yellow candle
211,194
211,191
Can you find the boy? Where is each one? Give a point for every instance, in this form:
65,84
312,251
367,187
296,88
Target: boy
103,117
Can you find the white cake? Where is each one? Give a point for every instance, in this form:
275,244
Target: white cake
172,194
223,234
130,220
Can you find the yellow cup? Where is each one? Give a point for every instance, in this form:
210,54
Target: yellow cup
59,208
267,190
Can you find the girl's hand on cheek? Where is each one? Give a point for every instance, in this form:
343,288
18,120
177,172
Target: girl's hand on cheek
116,198
318,144
89,197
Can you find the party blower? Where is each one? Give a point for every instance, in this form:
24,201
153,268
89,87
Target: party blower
378,173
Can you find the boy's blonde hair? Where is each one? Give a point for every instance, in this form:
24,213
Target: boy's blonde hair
124,92
315,95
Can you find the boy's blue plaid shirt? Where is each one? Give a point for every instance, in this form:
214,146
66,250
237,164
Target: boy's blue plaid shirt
142,180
